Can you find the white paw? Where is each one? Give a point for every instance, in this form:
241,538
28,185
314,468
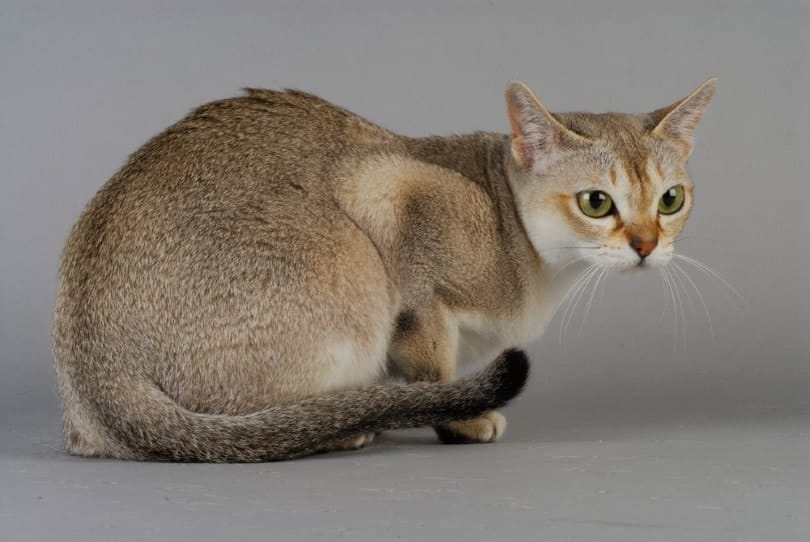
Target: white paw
351,443
488,428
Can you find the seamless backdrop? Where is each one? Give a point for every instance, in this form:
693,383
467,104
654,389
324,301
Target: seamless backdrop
83,84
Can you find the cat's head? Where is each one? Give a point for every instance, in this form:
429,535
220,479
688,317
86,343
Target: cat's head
609,189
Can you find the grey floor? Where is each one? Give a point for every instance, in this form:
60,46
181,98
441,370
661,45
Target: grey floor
577,475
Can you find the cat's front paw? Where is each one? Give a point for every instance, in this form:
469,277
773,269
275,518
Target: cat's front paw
487,428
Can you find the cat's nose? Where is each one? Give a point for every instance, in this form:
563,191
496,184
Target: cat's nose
643,246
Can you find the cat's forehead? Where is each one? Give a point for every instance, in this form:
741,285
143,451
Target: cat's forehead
623,144
625,138
607,126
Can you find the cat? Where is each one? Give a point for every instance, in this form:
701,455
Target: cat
246,286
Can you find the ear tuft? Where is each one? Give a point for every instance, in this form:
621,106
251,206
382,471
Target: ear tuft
679,120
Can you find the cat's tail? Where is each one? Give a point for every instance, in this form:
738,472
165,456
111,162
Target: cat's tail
157,428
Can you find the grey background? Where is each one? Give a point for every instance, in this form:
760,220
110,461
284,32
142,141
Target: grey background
627,431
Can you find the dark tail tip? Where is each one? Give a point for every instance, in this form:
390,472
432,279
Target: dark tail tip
511,370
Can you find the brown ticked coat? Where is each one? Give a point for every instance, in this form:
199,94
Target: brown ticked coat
239,288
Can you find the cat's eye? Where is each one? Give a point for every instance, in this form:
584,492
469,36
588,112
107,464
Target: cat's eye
595,203
672,201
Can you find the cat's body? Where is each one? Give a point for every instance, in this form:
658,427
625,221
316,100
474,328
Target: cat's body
270,251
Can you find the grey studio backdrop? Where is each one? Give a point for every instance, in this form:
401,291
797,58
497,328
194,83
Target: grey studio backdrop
83,84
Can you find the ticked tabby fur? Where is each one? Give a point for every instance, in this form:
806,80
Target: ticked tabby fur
242,288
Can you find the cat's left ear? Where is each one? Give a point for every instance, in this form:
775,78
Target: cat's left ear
678,121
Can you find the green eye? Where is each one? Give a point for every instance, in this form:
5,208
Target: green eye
672,201
595,204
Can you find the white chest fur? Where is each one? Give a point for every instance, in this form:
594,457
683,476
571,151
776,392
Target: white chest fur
482,337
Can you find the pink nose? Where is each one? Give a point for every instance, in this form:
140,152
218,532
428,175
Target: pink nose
643,246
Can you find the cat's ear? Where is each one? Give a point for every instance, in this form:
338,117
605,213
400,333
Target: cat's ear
678,121
537,137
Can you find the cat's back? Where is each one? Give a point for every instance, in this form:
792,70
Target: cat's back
231,175
247,155
263,135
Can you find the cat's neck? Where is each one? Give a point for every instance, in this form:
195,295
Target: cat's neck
483,158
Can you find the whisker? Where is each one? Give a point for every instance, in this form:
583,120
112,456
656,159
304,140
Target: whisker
574,302
579,285
711,272
590,300
700,297
674,310
666,296
566,298
680,282
693,237
575,286
557,247
570,298
602,293
677,287
567,265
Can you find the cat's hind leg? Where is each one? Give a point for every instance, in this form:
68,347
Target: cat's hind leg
424,348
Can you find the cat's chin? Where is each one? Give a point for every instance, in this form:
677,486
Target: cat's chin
632,270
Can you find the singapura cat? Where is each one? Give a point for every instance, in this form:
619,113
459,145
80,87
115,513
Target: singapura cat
242,286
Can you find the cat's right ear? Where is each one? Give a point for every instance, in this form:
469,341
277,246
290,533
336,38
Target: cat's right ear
678,121
537,137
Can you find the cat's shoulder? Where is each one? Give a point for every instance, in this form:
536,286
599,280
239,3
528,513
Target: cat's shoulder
388,194
399,178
